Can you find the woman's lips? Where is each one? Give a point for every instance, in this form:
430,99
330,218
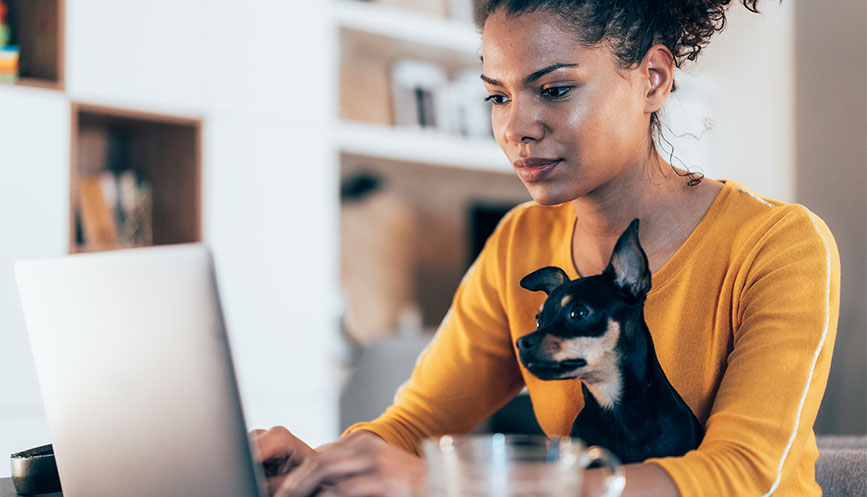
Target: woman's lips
535,168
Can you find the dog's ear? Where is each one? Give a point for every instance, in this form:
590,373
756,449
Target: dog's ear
628,266
545,279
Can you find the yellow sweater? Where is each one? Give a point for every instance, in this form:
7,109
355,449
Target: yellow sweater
743,319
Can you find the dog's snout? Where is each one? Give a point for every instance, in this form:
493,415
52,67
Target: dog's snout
528,343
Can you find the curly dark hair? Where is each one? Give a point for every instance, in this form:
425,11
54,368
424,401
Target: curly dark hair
629,28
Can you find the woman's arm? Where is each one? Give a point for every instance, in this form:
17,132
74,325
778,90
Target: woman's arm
784,309
361,464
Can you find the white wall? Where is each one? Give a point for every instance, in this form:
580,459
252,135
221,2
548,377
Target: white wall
271,208
832,181
34,222
744,83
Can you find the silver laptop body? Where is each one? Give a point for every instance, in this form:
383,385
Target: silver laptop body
136,375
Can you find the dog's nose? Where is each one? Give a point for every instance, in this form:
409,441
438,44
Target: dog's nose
527,343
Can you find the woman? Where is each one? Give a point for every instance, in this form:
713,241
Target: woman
745,290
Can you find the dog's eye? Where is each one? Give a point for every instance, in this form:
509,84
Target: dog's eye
579,313
538,322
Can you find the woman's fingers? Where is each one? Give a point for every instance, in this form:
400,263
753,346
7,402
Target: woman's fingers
280,452
325,469
356,465
278,443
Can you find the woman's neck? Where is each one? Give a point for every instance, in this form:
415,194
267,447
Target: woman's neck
668,208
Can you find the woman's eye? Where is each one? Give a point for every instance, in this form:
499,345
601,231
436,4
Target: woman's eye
497,99
556,91
578,313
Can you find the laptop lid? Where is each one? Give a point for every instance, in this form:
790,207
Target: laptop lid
136,375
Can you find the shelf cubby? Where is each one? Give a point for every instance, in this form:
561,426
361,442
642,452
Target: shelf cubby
38,29
165,151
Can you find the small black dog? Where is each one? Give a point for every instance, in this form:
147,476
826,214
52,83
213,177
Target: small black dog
593,329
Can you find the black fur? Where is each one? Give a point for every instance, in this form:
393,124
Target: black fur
649,419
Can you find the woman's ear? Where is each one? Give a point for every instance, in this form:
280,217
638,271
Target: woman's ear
658,67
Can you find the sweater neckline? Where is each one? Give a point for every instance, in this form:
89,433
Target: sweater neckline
676,261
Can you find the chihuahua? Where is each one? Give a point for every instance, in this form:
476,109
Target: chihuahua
593,329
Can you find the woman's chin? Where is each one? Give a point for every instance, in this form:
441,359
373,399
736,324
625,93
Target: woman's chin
543,195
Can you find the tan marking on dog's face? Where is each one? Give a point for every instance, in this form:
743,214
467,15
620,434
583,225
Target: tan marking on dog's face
565,300
550,346
602,372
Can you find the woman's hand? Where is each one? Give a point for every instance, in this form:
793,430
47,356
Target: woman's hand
358,465
280,452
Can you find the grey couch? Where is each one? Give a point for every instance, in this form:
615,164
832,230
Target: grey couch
841,469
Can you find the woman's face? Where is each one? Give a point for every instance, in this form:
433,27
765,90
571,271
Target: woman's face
570,120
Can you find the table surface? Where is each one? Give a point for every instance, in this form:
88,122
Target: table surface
8,490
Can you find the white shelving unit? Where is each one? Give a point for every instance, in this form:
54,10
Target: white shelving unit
396,24
421,146
390,33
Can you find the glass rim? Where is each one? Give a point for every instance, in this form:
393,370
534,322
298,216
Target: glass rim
512,440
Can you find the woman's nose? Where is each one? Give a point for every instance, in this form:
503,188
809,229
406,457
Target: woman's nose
522,124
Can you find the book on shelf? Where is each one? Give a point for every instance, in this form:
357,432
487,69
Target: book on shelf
424,96
115,211
97,220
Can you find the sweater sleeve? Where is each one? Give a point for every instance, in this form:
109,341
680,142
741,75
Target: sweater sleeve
784,325
469,369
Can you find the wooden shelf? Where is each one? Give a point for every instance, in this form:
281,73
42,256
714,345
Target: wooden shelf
421,147
38,29
163,150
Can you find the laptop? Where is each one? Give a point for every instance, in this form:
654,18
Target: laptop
136,375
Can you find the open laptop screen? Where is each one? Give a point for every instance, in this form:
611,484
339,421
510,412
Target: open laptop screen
136,375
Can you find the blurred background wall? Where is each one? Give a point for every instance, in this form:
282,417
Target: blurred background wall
830,178
283,114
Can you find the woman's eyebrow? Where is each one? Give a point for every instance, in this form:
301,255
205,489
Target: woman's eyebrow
532,77
541,72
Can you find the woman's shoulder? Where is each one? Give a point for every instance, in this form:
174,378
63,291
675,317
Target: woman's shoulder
749,219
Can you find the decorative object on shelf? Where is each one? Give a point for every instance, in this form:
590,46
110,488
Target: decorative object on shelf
417,90
378,240
135,202
428,7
